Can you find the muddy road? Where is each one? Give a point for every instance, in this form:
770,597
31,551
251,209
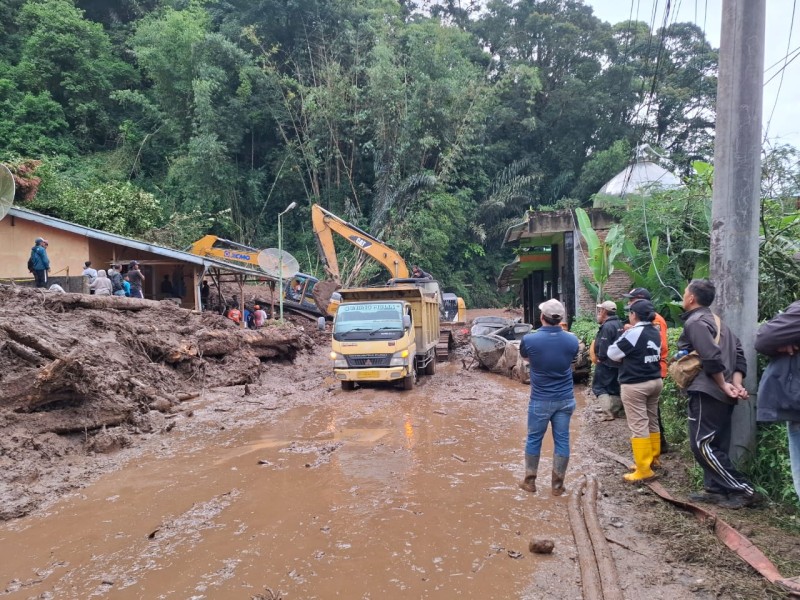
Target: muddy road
290,487
314,493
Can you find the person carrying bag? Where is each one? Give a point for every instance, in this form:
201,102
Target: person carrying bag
687,365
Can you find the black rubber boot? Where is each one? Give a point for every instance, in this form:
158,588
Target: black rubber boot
559,472
531,468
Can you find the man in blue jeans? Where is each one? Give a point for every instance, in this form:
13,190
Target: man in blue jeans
550,351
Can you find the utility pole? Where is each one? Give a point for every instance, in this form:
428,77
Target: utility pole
737,190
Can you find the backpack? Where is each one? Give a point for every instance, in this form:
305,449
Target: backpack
116,282
30,264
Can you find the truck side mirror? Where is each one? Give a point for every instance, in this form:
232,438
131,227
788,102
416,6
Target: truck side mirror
406,321
321,323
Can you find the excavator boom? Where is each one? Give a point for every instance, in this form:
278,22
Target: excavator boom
325,223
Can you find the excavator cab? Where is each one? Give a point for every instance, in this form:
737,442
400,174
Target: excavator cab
298,291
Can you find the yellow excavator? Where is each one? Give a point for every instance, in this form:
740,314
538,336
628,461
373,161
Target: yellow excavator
298,296
325,224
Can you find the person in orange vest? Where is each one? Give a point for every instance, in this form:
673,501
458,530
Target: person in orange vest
634,296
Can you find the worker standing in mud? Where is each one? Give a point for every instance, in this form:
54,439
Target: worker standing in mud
606,371
639,351
550,351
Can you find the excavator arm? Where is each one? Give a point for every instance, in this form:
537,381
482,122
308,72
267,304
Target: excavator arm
325,224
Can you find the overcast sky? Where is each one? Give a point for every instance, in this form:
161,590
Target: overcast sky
785,125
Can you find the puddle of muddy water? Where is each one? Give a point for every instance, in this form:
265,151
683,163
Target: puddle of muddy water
370,494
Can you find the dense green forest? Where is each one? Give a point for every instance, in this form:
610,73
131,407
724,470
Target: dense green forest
429,125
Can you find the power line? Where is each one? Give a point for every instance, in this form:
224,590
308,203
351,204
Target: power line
782,71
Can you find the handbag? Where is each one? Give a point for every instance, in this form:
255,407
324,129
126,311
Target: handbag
780,382
683,370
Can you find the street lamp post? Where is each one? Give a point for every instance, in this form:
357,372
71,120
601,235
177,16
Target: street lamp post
280,257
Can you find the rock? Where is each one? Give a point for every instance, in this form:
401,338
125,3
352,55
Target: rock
541,546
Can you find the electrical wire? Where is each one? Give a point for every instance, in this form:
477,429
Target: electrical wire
782,72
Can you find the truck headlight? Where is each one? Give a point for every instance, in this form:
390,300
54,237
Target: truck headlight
399,359
339,361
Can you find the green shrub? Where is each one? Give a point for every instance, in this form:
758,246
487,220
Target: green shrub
585,328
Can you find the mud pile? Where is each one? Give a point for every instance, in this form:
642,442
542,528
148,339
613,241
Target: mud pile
78,364
73,362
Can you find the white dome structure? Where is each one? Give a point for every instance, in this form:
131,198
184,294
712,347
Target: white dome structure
640,177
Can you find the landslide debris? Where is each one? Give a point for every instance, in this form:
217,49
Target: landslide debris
74,367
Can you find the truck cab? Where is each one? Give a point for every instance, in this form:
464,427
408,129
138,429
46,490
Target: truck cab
384,334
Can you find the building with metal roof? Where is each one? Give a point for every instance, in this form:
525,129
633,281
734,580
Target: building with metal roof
70,245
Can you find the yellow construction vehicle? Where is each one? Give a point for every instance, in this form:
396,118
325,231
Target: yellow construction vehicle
216,247
325,224
298,290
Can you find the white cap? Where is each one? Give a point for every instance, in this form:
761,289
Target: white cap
553,309
608,305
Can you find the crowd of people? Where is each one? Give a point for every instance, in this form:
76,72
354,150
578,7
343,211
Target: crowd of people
631,363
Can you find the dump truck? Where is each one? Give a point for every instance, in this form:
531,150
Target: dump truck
387,333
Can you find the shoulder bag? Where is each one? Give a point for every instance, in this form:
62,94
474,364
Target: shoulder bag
684,369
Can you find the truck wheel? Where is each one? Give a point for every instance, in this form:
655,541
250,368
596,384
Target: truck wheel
348,386
430,368
408,381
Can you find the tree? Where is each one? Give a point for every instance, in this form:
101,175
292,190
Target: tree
73,61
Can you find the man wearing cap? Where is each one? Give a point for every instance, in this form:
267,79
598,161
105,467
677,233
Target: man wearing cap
713,393
635,295
550,351
136,279
639,351
39,262
605,385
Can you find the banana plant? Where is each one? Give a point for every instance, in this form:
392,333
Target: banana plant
601,254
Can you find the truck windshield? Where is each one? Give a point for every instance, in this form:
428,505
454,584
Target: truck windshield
369,321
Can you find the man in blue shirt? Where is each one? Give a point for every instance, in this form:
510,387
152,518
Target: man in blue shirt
39,263
550,351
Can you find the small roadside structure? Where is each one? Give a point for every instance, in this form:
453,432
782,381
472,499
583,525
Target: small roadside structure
70,245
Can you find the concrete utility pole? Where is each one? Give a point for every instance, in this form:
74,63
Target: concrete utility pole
737,187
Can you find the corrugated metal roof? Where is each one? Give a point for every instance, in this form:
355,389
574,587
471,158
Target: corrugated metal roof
113,238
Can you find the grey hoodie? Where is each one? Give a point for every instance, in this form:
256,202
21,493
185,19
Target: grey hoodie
102,285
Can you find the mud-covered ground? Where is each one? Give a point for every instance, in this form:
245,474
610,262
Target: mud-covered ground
290,487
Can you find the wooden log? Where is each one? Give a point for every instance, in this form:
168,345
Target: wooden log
73,301
31,341
24,353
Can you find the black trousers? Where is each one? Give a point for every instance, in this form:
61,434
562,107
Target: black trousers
605,380
710,437
41,278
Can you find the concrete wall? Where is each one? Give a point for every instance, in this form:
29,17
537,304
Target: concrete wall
67,251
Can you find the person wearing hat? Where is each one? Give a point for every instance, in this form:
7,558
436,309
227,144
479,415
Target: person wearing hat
634,296
604,384
39,262
550,351
136,279
639,351
260,315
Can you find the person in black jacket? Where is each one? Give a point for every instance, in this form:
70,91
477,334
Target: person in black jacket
605,384
780,336
639,350
712,395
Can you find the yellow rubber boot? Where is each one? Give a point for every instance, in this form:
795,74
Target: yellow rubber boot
655,442
643,457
